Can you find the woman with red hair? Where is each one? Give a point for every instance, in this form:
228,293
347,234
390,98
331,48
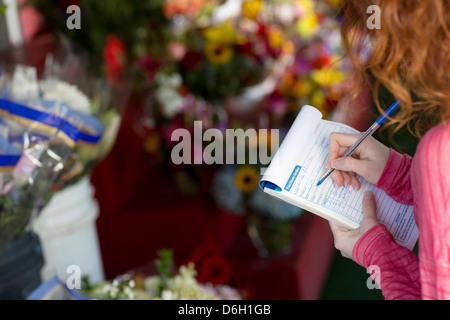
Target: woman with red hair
410,57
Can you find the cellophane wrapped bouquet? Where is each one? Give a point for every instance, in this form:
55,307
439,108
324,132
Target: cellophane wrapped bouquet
51,135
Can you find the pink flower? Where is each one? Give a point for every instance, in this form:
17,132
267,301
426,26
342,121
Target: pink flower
177,50
150,65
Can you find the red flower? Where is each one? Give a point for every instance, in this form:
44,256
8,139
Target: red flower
215,270
211,266
321,62
114,56
191,60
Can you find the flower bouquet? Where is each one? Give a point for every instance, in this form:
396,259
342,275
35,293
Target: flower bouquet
168,284
38,137
52,134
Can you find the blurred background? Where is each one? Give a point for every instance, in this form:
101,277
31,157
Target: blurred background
148,68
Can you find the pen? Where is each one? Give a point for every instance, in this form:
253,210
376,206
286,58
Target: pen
378,123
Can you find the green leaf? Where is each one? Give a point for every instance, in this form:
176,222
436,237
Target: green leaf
3,8
165,262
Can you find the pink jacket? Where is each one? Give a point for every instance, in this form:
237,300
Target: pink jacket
423,181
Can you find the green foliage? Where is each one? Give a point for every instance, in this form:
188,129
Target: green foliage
3,9
164,264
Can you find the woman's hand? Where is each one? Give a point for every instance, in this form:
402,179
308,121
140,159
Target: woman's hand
368,160
344,239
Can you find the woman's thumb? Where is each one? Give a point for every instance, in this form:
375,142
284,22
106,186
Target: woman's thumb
369,208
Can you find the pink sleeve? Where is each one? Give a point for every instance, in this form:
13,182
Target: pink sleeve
396,178
431,183
396,267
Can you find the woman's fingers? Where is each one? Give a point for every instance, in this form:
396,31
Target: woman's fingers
340,143
342,178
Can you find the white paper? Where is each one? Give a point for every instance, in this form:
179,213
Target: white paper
292,146
304,163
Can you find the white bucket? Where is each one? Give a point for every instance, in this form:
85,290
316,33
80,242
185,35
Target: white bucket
68,233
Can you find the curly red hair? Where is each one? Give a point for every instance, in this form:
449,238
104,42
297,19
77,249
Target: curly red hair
409,55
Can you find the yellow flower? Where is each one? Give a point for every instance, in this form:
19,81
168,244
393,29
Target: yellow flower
218,53
251,8
224,33
246,179
306,5
326,77
308,25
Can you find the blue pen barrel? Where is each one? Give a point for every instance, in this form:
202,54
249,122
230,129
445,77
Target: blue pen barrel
388,112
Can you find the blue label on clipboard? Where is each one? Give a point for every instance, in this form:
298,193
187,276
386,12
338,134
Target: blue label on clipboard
292,178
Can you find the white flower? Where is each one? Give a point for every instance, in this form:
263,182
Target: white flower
152,284
114,292
107,288
167,93
173,80
64,92
128,293
167,295
24,84
171,102
285,13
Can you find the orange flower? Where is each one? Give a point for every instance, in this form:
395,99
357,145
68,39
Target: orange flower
276,37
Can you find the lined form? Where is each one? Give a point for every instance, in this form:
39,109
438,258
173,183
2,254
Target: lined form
345,201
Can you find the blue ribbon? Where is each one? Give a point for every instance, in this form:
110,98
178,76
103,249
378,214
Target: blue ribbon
69,122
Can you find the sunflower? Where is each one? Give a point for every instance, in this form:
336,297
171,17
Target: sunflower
218,53
246,179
